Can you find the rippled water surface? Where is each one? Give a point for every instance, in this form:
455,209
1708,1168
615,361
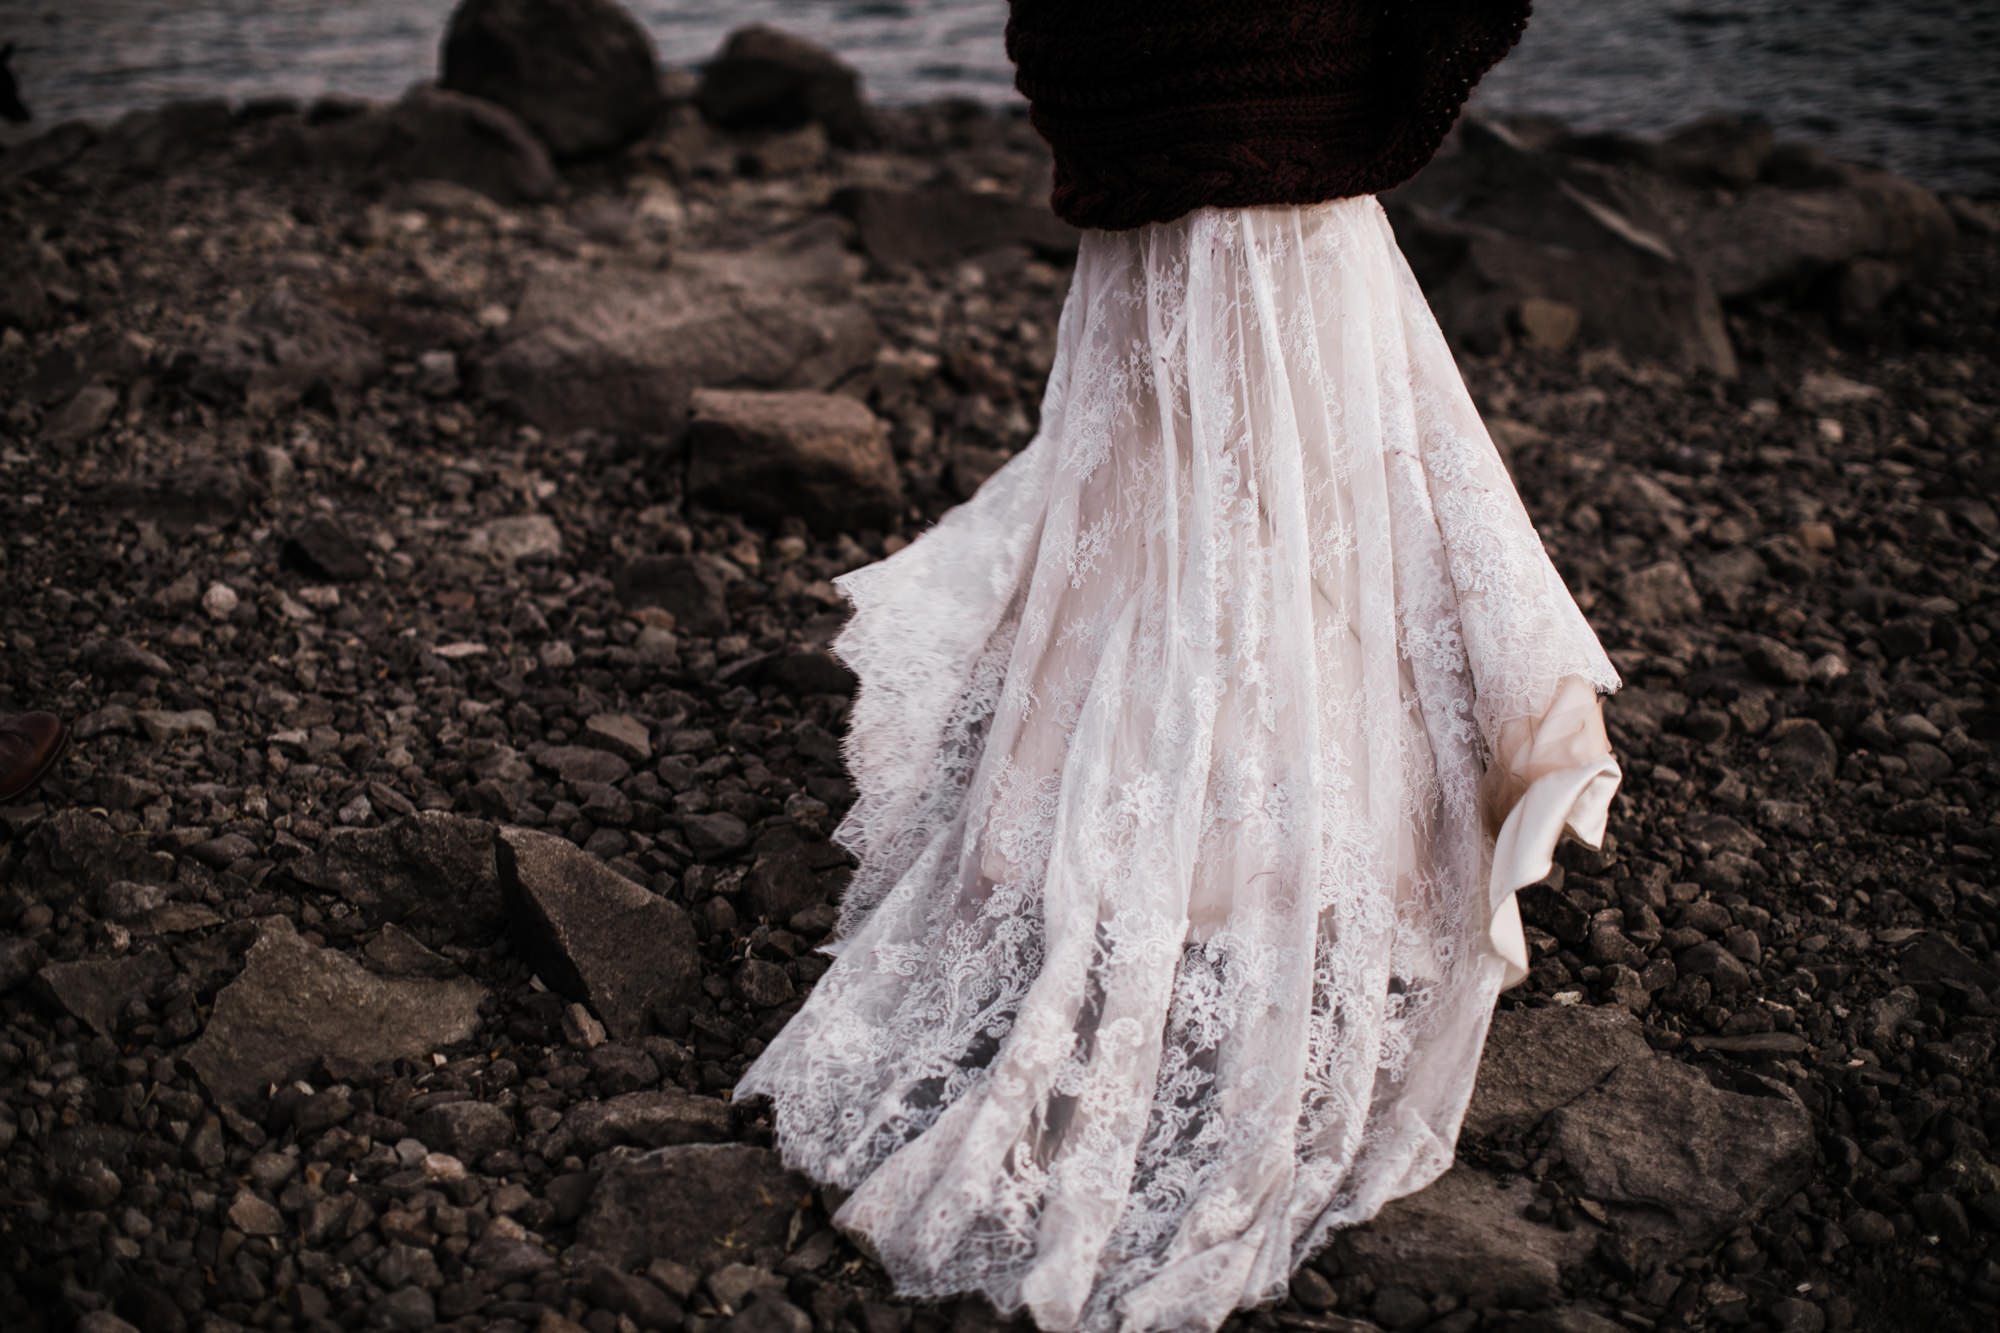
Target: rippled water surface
1914,85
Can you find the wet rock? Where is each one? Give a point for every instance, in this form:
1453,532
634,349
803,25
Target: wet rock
592,934
432,134
764,79
1539,1059
282,348
580,73
704,1204
1464,1235
624,349
687,586
939,224
430,868
655,1119
326,548
294,1005
823,457
1678,1161
97,990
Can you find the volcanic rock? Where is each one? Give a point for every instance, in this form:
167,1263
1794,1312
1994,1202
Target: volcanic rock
764,79
97,990
704,1204
1679,1162
654,1119
592,934
280,349
686,585
580,73
1464,1235
824,457
624,349
294,1005
939,224
431,134
1539,1059
430,868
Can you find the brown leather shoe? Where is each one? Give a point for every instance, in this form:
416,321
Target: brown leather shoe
30,744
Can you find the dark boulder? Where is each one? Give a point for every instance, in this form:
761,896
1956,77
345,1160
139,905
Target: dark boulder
764,79
431,134
580,73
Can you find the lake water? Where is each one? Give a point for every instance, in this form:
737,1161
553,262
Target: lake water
1913,85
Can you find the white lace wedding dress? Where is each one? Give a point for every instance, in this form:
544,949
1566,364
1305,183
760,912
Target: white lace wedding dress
1181,749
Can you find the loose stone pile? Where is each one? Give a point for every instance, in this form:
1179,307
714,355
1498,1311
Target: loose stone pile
432,545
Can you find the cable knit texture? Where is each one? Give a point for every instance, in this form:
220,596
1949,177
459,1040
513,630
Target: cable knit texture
1156,107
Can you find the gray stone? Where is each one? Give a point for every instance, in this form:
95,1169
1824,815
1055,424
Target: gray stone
467,1130
717,833
81,417
764,79
96,990
620,734
1678,1161
1464,1235
1659,594
254,1216
1539,1059
762,983
1771,236
582,763
624,349
594,935
940,224
503,1258
430,868
163,725
295,1005
580,73
704,1204
654,1119
283,347
432,134
1801,749
508,540
687,586
822,457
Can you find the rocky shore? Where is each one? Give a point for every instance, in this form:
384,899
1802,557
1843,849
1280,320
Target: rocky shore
426,514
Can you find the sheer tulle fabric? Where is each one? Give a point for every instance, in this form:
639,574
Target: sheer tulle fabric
1173,941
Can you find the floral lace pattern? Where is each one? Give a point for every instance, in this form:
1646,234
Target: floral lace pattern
1165,954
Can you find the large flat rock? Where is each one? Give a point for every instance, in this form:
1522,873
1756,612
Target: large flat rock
624,349
295,1004
1464,1236
430,868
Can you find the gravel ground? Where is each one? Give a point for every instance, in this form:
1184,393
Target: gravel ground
331,596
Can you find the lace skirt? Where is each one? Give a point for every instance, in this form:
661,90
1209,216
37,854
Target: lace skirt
1198,756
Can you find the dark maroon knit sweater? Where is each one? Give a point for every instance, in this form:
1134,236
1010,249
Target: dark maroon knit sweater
1156,107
